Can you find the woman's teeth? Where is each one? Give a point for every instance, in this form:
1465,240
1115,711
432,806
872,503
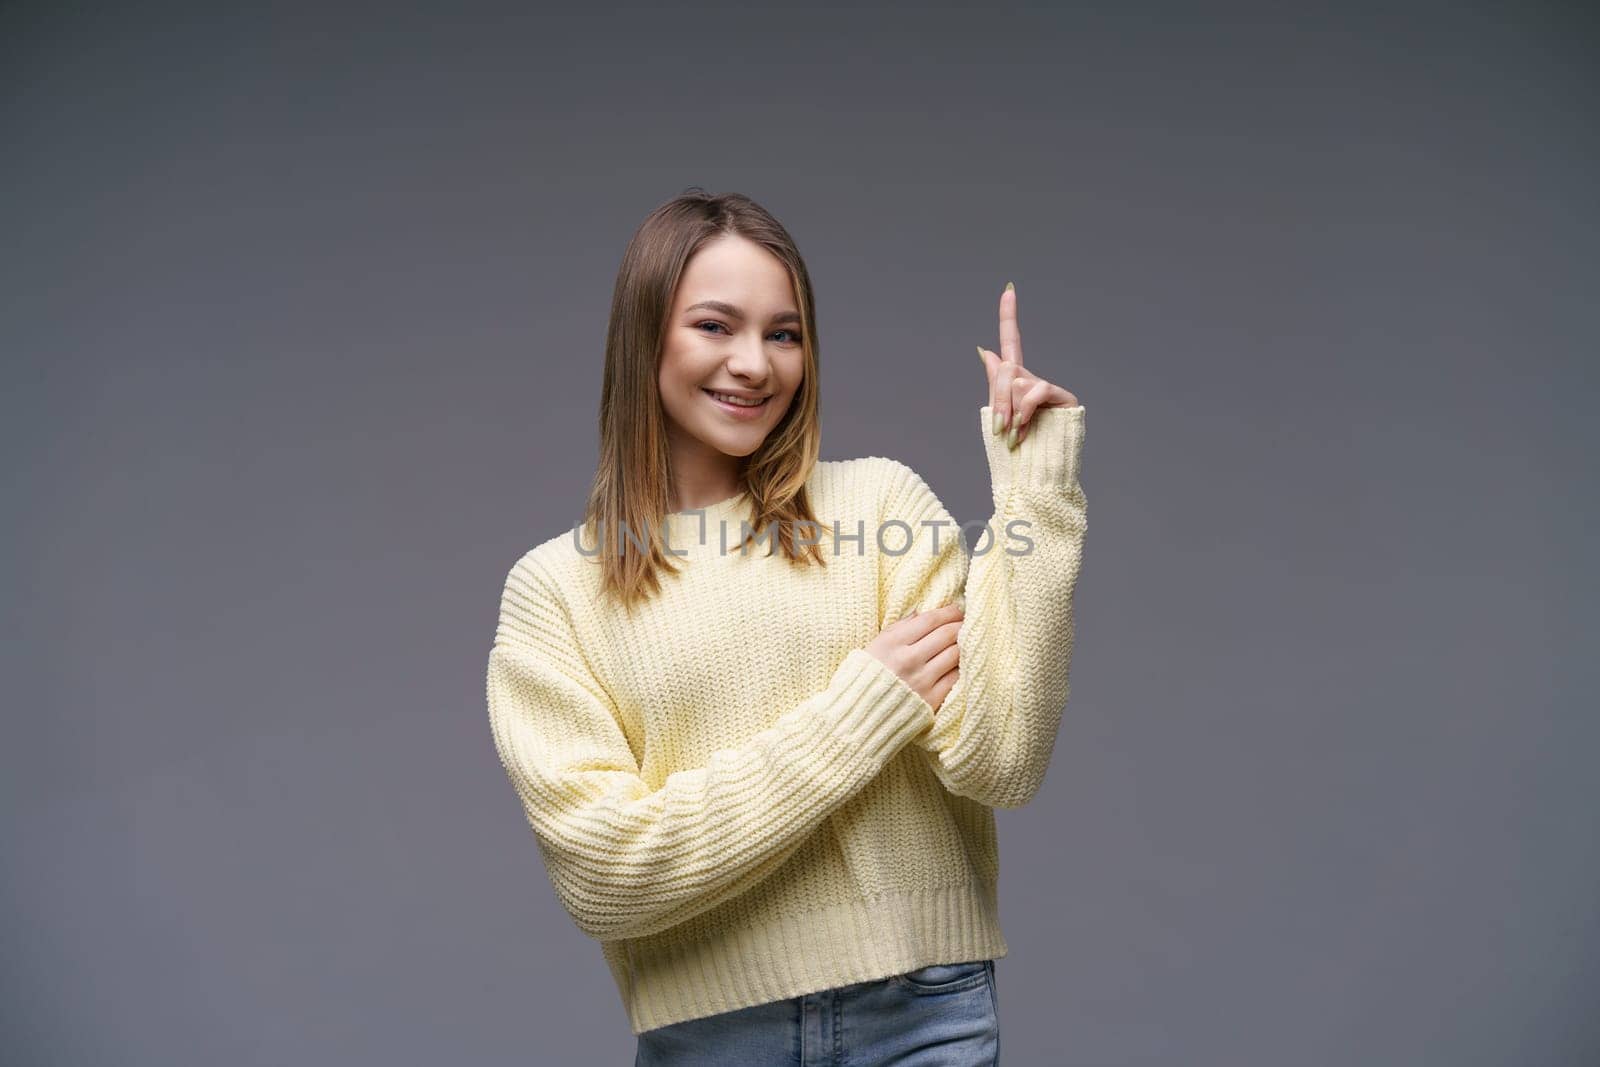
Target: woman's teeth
737,401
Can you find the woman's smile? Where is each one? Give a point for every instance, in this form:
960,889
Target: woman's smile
737,406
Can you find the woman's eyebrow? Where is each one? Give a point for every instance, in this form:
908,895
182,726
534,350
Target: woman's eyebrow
734,313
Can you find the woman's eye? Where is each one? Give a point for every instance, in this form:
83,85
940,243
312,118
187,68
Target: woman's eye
794,335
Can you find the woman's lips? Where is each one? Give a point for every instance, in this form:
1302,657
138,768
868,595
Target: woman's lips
739,411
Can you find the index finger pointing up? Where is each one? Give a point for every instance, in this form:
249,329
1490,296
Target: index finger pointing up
1010,335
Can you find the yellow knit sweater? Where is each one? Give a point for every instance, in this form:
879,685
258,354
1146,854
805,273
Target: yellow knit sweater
733,797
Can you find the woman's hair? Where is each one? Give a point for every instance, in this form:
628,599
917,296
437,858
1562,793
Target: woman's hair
628,502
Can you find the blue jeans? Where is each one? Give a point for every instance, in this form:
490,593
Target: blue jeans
946,1015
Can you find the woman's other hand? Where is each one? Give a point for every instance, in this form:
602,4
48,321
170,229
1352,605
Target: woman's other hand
922,650
1015,392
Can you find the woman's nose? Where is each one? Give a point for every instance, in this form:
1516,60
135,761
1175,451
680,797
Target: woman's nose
750,360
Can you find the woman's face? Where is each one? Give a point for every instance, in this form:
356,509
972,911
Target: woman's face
734,329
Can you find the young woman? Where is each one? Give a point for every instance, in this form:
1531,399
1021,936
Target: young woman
758,707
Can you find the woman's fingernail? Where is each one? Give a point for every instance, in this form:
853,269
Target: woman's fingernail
1009,287
980,356
1011,436
997,421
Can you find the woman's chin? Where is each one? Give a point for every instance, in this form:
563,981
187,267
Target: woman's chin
735,442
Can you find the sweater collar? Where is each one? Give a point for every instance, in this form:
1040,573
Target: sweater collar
713,523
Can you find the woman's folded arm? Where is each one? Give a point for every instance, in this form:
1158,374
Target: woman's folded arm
626,859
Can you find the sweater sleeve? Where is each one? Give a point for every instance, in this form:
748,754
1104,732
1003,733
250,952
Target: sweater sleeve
627,860
994,734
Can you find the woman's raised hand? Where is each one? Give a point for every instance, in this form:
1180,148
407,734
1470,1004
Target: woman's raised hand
1015,392
922,650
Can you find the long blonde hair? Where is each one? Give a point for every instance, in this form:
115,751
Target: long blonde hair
633,479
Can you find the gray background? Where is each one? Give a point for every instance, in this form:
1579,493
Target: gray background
303,317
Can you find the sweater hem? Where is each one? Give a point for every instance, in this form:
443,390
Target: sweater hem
792,955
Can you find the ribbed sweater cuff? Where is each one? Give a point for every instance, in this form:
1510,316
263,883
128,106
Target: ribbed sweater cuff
879,712
1049,457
